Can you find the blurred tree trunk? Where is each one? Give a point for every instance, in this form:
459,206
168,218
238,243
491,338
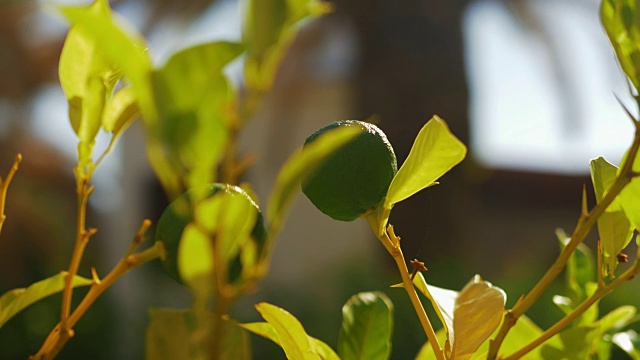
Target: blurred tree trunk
412,67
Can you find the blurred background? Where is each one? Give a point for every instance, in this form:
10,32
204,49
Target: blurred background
528,84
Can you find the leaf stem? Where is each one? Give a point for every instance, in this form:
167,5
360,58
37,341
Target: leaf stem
59,336
4,187
584,226
584,306
392,243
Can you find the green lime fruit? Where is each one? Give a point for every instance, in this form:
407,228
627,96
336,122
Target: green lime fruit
355,178
177,216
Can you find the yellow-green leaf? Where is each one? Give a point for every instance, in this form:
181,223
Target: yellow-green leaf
120,111
16,300
621,22
434,152
629,196
266,330
613,226
291,333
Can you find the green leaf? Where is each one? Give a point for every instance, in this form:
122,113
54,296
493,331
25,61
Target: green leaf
176,334
195,260
478,312
629,196
87,77
120,111
434,152
228,217
613,226
299,165
580,269
195,104
266,330
620,19
293,338
127,51
367,325
16,300
184,81
617,319
629,341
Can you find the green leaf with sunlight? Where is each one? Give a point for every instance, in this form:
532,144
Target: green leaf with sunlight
195,260
629,196
367,326
14,301
434,152
119,113
184,81
87,77
300,165
621,22
291,334
228,217
175,334
613,226
195,104
126,50
267,331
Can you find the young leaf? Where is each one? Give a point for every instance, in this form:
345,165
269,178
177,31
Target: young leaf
629,196
127,51
87,78
171,334
266,330
120,111
478,312
434,152
293,338
14,301
613,226
367,325
620,20
298,166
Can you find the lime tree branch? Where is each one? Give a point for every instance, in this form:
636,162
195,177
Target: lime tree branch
63,332
584,226
4,187
584,306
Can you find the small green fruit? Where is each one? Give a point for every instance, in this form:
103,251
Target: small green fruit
177,216
355,178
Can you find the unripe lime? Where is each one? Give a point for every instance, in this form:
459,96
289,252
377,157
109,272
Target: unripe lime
178,215
354,178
